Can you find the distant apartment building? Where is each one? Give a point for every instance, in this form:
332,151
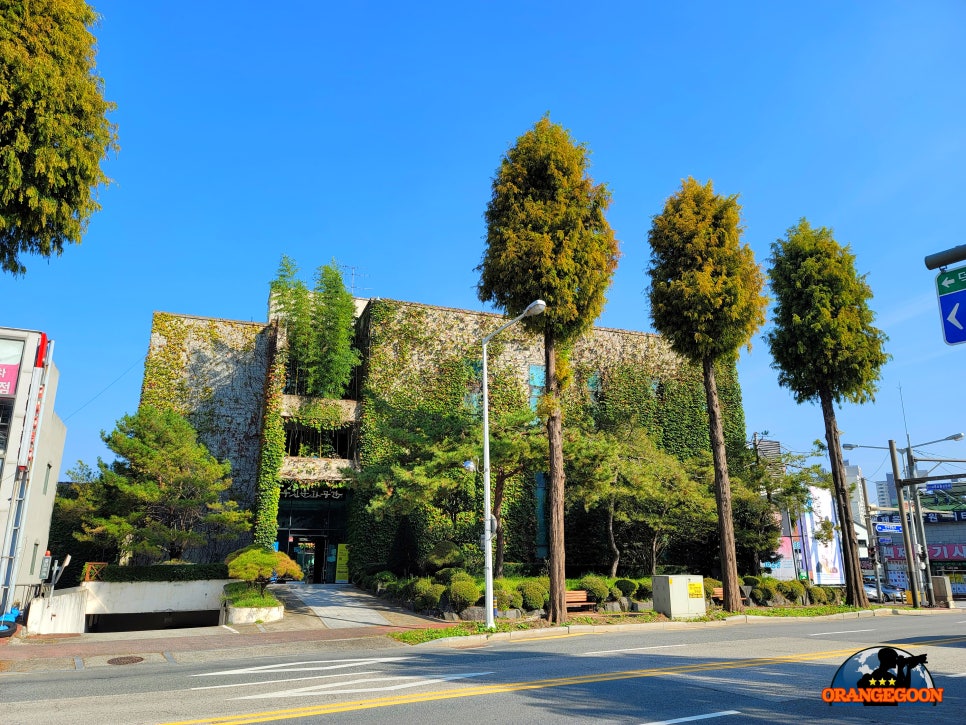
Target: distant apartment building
31,446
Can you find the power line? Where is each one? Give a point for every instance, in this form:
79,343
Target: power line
103,391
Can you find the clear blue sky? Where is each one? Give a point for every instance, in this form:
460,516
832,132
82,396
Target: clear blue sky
370,132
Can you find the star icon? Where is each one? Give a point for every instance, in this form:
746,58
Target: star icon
892,682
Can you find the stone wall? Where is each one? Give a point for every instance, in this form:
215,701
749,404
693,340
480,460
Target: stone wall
213,372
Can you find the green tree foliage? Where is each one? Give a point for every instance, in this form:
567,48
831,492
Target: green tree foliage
319,329
54,130
257,566
427,468
548,238
826,348
706,299
163,495
648,498
333,318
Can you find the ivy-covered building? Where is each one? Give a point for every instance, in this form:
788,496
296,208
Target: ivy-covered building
292,456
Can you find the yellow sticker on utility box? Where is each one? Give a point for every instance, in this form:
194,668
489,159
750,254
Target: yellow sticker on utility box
695,590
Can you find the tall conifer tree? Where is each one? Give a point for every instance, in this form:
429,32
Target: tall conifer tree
826,348
547,238
706,299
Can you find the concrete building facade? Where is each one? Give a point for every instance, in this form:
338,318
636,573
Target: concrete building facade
31,447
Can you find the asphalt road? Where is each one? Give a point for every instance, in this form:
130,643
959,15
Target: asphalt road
721,674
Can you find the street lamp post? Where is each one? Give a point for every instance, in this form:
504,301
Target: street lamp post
915,516
534,308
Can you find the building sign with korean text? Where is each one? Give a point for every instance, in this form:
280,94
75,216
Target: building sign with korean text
290,489
937,552
11,354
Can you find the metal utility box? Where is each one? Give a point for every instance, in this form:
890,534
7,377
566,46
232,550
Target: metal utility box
679,596
943,591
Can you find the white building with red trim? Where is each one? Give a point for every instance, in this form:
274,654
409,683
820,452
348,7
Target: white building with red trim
31,446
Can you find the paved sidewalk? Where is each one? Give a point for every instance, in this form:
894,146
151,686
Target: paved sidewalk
320,616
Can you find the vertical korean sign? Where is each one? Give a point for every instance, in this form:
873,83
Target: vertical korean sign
11,354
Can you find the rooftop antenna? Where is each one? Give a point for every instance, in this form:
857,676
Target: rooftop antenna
353,273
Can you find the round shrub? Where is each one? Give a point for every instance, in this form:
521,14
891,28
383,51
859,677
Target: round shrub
384,576
596,587
421,586
833,595
758,596
461,576
533,594
626,586
615,593
430,598
444,554
769,587
818,595
644,590
505,598
750,581
462,594
792,590
445,576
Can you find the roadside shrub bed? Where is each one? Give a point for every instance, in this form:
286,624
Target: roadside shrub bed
454,589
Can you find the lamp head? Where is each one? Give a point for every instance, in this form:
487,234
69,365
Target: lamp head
849,446
955,437
537,307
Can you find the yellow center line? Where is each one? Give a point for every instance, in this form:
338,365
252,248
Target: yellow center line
481,690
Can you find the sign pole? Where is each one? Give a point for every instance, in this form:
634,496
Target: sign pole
907,542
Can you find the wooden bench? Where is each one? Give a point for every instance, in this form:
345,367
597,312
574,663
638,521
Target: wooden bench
577,599
717,595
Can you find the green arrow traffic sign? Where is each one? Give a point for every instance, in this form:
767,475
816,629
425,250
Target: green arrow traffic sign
951,281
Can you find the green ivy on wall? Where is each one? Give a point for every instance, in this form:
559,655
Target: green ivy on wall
165,382
272,452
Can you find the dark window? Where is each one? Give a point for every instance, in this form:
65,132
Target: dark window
6,414
308,442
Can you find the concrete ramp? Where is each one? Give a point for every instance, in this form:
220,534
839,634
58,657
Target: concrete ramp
339,606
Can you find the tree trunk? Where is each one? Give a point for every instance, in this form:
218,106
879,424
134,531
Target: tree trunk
654,556
498,490
722,493
558,583
616,553
854,591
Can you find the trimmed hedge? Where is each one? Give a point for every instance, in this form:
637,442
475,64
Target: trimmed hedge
163,573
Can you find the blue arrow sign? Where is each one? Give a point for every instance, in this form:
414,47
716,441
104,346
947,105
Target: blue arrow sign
888,528
951,289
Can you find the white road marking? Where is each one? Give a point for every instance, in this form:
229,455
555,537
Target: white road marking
230,629
300,666
961,674
844,631
289,679
326,689
723,713
632,649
